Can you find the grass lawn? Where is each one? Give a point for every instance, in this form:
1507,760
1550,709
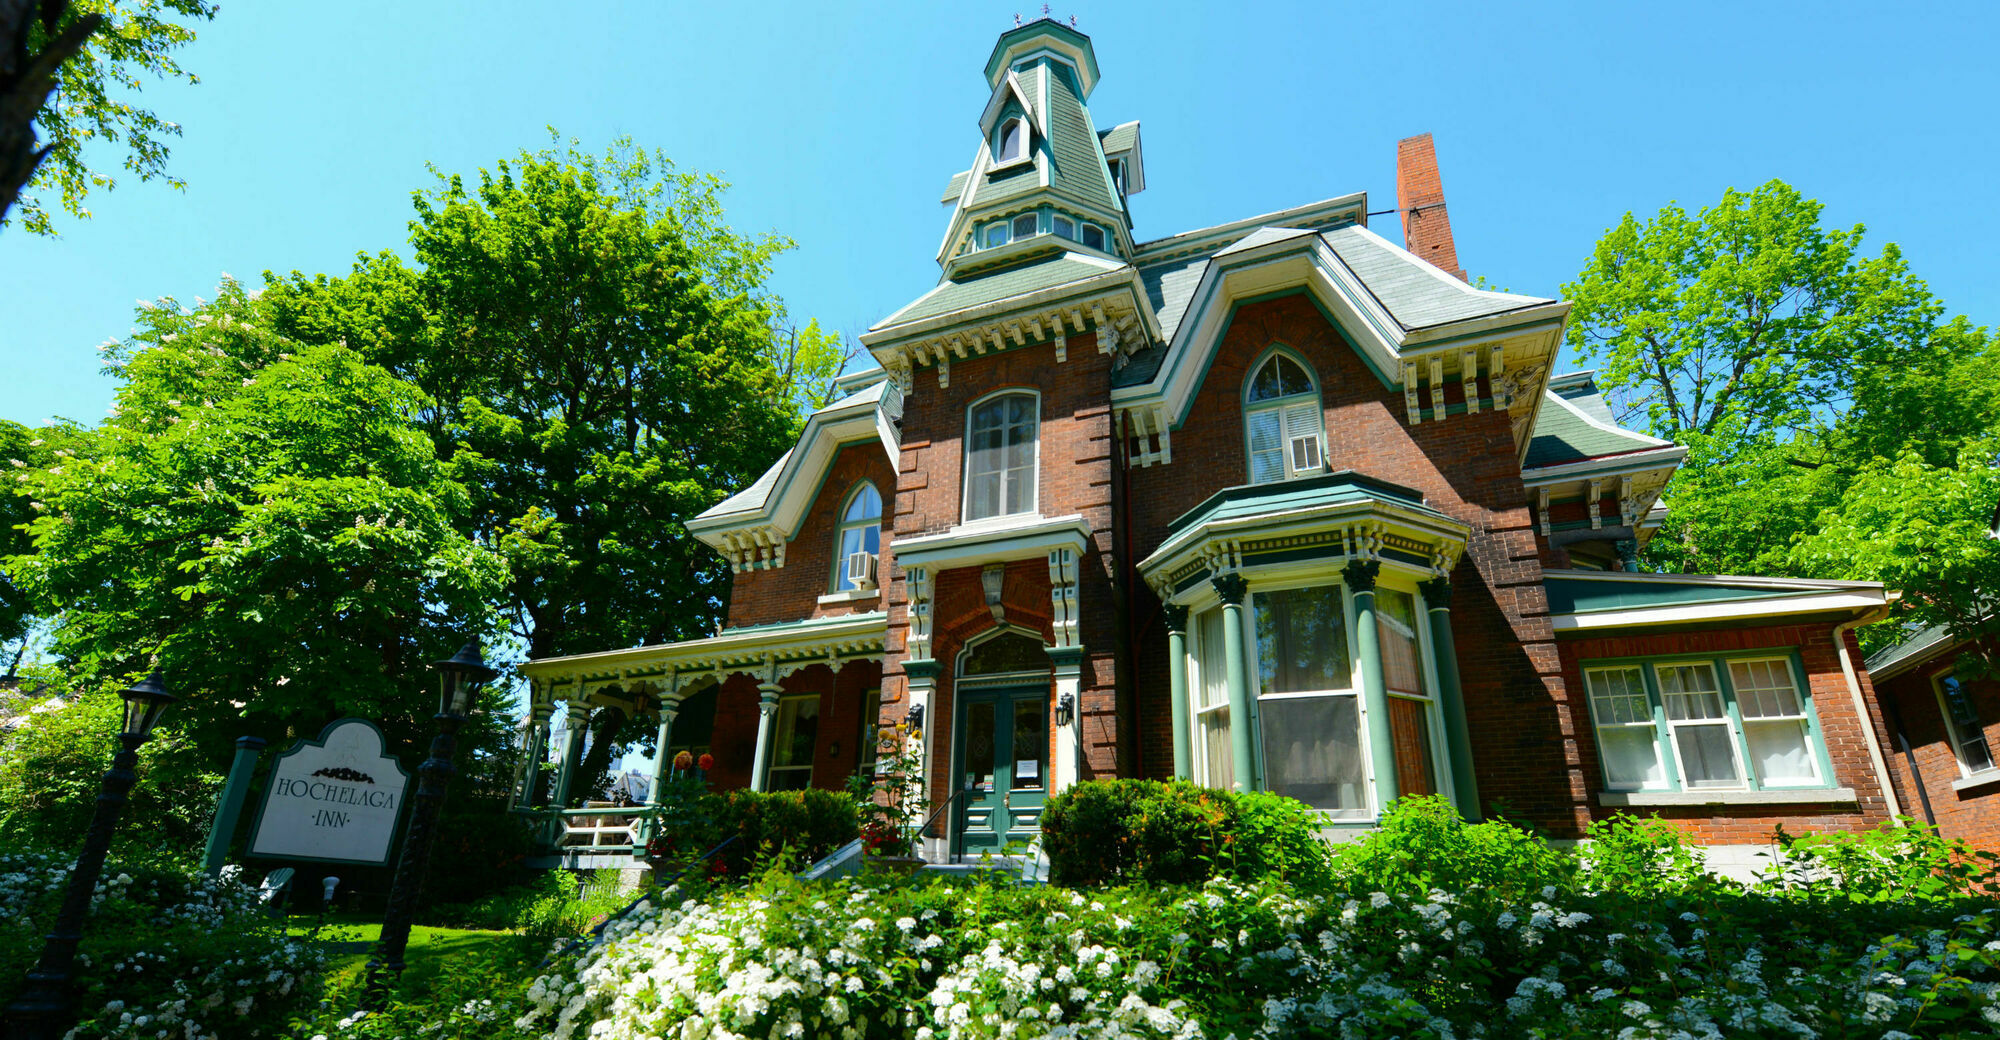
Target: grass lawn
429,951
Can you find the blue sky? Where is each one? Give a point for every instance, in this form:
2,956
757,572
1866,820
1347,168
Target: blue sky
840,123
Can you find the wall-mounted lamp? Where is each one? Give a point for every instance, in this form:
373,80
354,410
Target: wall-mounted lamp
1065,709
915,718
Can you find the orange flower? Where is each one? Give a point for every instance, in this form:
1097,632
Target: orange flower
685,760
707,762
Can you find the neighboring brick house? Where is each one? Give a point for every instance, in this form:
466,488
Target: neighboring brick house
1274,504
1942,715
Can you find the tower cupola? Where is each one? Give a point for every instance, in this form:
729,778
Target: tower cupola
1043,177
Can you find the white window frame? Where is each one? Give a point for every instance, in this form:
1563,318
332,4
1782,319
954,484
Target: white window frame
1957,738
1104,237
1034,473
1654,721
1674,771
842,525
1056,222
1000,140
1004,230
1034,219
1284,406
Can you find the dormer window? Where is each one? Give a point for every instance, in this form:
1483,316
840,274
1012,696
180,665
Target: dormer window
1013,141
1282,421
1063,227
1024,225
1093,236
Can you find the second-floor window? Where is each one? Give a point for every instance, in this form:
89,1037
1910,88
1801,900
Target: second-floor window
1000,456
860,532
1282,421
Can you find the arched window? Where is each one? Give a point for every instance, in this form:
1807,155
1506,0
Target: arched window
1013,142
1000,456
860,532
1282,421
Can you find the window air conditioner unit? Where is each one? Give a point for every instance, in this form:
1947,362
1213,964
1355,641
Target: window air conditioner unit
1305,453
861,570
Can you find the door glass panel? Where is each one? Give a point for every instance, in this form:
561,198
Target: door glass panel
1410,732
1030,746
979,745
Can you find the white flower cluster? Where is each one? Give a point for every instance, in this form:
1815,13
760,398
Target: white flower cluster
185,957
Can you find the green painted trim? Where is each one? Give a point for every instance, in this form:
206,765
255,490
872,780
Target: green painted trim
1375,696
1451,704
1337,478
922,668
229,803
1177,692
1240,723
1065,655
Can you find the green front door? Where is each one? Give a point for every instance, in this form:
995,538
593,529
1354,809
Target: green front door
1003,767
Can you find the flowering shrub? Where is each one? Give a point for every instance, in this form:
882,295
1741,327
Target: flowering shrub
966,959
165,953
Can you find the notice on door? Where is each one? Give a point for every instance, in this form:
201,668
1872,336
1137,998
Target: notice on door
1027,769
336,799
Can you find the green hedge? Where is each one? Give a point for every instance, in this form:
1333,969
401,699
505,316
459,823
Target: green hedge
788,830
1109,831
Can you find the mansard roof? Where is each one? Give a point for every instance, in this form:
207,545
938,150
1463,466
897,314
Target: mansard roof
1051,270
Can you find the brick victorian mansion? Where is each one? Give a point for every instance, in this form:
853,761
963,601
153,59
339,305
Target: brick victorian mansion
1273,505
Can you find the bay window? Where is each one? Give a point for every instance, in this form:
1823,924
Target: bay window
1735,724
1308,713
1000,456
1212,700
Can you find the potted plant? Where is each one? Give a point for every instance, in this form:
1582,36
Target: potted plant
893,804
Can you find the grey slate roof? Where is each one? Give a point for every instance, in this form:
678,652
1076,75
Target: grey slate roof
1580,389
1059,268
957,187
1414,293
1921,645
1077,169
1561,436
1119,138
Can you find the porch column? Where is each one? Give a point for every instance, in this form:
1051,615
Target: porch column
919,672
670,709
572,749
1451,699
767,713
537,751
1360,578
1176,617
1231,587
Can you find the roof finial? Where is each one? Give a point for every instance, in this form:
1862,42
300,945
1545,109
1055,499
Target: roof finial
1045,10
1017,19
1072,21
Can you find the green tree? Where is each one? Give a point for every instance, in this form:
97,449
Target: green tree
602,354
70,68
1746,319
263,520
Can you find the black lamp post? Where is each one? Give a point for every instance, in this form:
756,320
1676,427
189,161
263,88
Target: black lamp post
42,1011
461,678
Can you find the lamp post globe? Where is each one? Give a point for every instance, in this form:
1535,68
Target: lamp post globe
43,1009
460,678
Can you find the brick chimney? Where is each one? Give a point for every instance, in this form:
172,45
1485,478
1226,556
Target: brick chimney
1420,195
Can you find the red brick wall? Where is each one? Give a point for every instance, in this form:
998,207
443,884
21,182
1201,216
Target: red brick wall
792,592
1074,477
1973,814
1842,730
1524,737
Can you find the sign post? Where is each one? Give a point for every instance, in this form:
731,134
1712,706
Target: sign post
333,800
229,805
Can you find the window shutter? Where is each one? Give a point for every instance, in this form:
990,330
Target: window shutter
1267,447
